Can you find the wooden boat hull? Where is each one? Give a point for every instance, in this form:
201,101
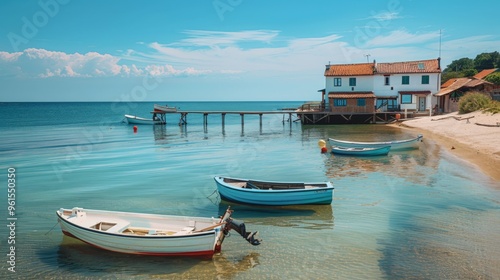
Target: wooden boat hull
395,145
166,235
233,189
161,108
138,120
377,151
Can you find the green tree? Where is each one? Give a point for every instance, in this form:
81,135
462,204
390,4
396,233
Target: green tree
469,72
484,61
495,56
493,78
460,65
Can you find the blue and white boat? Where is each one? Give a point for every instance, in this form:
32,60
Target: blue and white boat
274,193
395,144
138,120
377,151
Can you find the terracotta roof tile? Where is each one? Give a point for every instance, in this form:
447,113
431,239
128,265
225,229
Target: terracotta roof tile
358,69
448,83
476,82
452,86
484,73
350,94
419,66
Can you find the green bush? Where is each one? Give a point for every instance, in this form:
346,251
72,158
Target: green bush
473,101
493,107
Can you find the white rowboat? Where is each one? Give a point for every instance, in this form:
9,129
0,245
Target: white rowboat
395,145
138,120
377,151
150,234
164,108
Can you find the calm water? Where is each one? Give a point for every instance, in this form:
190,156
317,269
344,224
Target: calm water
420,214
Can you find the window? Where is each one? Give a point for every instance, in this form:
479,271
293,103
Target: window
361,102
352,82
425,79
387,80
406,80
337,82
406,98
339,102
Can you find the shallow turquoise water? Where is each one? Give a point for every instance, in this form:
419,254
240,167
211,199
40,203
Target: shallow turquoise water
412,214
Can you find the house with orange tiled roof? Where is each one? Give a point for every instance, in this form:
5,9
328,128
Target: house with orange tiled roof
381,87
454,88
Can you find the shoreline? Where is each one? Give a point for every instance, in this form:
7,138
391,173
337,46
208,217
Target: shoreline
462,137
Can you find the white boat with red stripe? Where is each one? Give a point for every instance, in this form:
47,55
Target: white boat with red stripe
151,234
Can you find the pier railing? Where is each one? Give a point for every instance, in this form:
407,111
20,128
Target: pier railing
312,107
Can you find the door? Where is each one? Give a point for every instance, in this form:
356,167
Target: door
421,103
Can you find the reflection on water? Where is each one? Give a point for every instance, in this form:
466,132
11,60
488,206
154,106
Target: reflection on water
300,216
76,257
415,165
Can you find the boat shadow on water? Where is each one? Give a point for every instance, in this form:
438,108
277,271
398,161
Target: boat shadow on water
77,257
303,216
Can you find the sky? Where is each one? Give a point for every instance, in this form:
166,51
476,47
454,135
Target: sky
221,50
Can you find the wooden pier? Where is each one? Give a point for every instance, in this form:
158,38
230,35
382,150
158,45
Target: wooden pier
184,114
305,117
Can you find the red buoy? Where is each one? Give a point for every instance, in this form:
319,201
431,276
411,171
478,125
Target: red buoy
135,128
324,150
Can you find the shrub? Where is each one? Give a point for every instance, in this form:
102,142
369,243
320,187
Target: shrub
493,107
473,101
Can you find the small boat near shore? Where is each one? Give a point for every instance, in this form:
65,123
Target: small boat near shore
151,234
163,108
357,151
138,120
274,193
395,144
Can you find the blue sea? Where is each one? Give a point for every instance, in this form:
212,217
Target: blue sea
415,214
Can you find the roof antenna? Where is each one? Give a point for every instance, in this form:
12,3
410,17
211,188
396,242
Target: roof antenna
367,58
439,43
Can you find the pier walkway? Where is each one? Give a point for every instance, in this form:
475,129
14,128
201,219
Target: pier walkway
184,114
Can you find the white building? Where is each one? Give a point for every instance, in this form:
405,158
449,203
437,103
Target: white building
371,87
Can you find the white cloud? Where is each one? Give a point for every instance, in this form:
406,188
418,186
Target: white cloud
219,38
401,37
45,64
385,16
238,52
260,53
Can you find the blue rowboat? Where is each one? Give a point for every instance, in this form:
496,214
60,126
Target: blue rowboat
395,145
378,151
273,193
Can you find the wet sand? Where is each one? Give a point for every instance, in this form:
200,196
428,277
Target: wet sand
465,136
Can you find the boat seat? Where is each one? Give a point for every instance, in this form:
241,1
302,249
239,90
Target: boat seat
251,186
119,227
184,231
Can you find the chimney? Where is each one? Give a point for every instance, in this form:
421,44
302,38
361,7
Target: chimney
439,63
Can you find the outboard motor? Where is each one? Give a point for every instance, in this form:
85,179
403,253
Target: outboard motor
240,227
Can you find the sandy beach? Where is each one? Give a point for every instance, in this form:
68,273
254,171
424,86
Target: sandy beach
465,135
